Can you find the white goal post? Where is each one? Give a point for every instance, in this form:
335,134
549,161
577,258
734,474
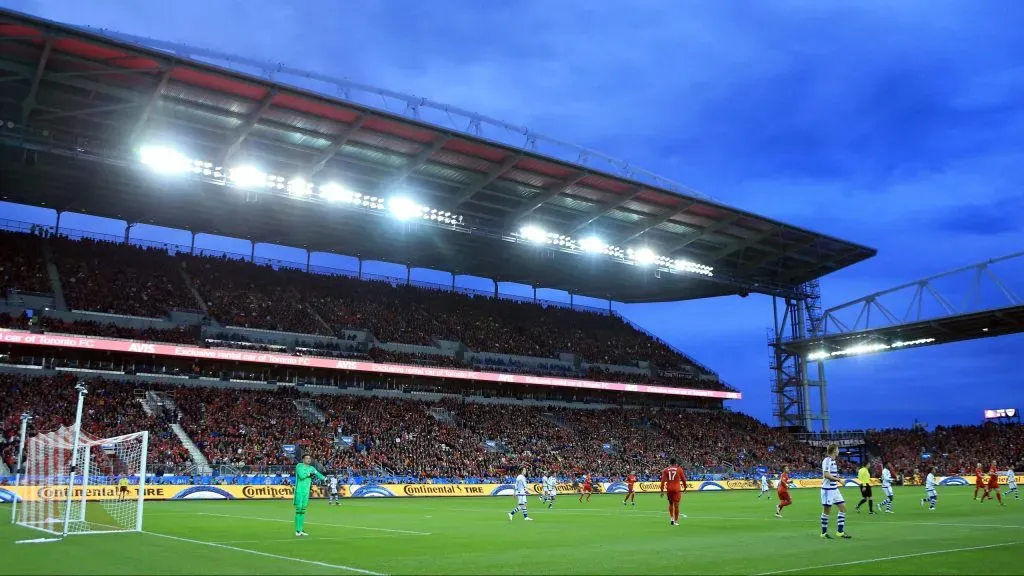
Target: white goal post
74,483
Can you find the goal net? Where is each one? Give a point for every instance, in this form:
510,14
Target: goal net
98,488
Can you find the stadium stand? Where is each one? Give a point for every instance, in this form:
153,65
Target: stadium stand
521,337
22,266
119,278
112,410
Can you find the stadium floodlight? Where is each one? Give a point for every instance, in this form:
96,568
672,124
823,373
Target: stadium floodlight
533,234
692,267
332,192
644,256
403,208
164,160
248,177
299,187
867,348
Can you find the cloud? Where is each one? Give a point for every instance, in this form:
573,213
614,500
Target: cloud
892,124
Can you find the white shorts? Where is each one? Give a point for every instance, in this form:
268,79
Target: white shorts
931,493
887,490
831,497
549,493
522,499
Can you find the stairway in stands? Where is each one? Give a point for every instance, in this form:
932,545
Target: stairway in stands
309,410
155,403
51,269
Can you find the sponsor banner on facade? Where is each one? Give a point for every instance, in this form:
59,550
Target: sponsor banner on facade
111,345
153,492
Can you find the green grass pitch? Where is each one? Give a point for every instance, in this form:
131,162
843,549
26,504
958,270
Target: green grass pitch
725,533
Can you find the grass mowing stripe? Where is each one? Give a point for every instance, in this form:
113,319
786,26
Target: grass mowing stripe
887,558
394,530
267,554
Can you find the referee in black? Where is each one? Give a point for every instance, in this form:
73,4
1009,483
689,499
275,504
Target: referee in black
864,479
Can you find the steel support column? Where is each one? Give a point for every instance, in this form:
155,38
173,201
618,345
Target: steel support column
29,103
796,319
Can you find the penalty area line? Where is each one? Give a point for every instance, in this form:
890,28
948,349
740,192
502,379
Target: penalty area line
887,558
266,554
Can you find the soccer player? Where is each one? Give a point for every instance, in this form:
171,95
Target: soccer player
886,489
304,474
784,498
931,496
674,479
993,484
630,493
544,488
122,488
332,491
979,480
864,479
1011,484
764,486
588,488
521,493
551,489
830,495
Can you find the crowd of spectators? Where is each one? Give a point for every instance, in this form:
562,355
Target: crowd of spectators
382,355
22,266
177,335
127,279
950,449
117,278
248,295
111,410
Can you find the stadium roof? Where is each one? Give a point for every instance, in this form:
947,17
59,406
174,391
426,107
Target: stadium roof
76,104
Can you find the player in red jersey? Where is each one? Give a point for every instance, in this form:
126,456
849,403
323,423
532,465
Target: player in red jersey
588,488
979,480
784,498
993,484
674,479
630,494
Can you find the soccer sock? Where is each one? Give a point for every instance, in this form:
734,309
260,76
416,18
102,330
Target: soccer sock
999,496
861,503
300,520
514,511
298,525
871,504
931,501
524,511
841,521
824,523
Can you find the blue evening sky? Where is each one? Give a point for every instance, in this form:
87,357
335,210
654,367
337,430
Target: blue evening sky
894,124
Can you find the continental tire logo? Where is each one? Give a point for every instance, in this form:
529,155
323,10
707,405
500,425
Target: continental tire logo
268,492
740,484
442,490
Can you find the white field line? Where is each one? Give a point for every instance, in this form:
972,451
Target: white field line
392,530
267,554
887,558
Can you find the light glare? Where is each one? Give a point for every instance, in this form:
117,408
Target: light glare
248,177
533,234
164,160
403,208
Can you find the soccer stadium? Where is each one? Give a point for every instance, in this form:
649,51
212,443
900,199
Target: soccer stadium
170,408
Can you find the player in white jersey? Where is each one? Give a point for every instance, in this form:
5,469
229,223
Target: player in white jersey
1011,484
551,489
886,489
521,491
830,495
543,489
332,490
764,487
929,489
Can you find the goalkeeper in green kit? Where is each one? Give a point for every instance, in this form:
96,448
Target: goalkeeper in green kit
304,473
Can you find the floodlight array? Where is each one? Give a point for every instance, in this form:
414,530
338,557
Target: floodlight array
641,256
867,349
167,160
